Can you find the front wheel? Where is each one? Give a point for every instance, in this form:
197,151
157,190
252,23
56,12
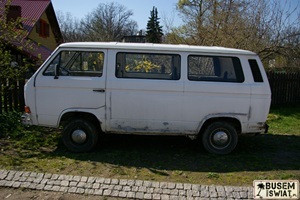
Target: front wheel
220,138
80,135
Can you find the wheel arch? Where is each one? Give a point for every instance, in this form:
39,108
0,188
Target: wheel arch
229,119
67,116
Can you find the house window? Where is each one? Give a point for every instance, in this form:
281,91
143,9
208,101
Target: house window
42,28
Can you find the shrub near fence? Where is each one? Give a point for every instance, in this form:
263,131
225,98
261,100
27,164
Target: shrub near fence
11,95
285,87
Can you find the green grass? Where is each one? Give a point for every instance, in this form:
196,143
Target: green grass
275,155
285,120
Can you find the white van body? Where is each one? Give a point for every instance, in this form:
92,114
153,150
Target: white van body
149,89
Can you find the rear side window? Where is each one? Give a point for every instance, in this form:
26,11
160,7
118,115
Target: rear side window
215,68
77,63
148,66
255,71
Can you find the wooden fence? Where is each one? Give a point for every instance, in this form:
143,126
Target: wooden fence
285,87
11,95
285,90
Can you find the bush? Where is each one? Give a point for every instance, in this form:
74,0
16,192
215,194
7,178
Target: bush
10,124
24,137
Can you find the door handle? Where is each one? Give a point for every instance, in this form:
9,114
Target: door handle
99,90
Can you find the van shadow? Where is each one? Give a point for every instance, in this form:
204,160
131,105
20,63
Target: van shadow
254,153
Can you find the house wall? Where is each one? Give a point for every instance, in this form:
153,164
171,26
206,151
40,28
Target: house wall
48,42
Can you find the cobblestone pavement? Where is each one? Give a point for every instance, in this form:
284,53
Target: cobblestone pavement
121,188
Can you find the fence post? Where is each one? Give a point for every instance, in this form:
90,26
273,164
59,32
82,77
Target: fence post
21,95
1,96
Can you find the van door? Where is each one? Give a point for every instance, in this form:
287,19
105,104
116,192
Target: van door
216,87
74,80
146,93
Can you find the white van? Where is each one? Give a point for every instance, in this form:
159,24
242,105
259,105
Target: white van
90,88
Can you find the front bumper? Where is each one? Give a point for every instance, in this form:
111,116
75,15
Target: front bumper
26,119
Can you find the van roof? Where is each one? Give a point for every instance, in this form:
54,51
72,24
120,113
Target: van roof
150,46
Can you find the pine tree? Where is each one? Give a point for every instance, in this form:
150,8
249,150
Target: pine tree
154,30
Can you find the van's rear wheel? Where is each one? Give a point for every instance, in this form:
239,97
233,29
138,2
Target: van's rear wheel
220,138
80,135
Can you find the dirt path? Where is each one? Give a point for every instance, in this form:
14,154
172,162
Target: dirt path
25,194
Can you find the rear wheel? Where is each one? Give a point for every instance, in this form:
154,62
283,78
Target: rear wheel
220,138
80,135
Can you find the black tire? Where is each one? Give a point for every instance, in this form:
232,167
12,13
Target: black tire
220,138
80,135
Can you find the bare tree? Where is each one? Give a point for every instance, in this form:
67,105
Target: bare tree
70,27
264,26
109,22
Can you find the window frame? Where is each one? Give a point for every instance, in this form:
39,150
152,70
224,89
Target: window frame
76,54
255,70
236,64
172,76
43,28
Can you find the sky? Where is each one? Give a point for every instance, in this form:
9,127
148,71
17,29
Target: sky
141,9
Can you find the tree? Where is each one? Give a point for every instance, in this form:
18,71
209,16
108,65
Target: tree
109,22
12,37
70,27
154,30
263,26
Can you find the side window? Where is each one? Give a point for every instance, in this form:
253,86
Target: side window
255,70
77,63
148,66
215,68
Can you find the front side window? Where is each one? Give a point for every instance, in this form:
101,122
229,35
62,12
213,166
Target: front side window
214,68
148,66
77,63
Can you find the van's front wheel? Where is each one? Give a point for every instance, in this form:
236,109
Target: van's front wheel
220,138
80,135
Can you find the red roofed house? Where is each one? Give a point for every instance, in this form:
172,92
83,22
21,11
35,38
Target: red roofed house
40,24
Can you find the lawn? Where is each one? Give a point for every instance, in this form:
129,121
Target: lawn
285,120
275,155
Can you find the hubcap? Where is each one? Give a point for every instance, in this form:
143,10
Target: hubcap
220,138
79,136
